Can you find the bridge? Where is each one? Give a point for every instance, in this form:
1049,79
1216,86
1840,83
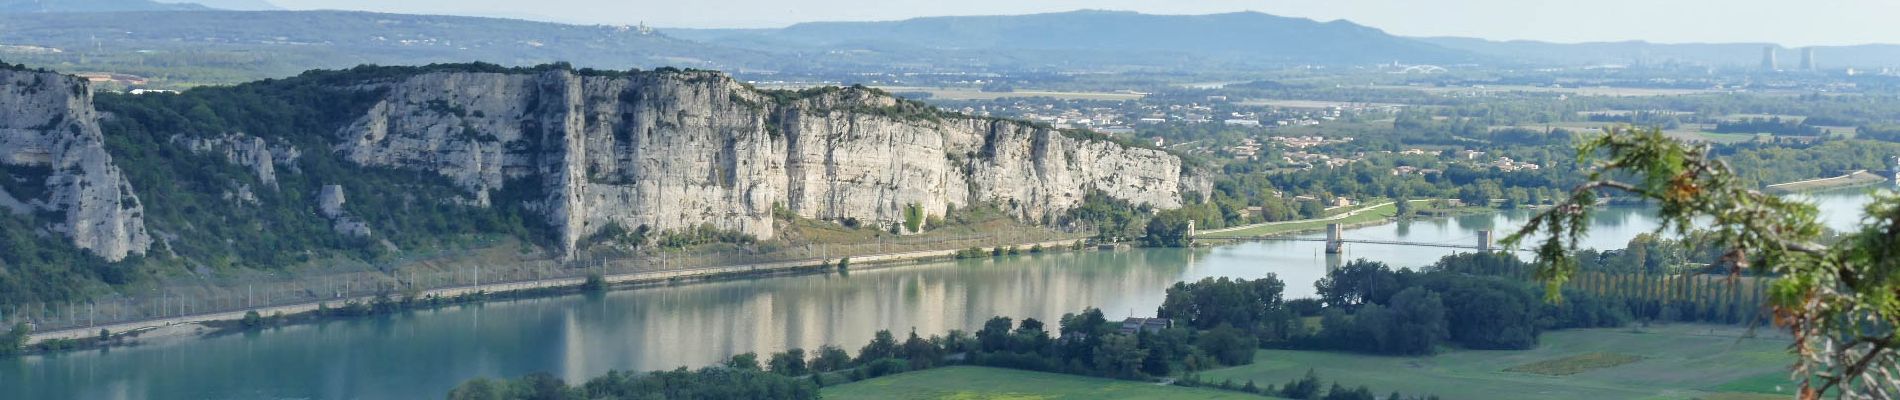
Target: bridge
1336,240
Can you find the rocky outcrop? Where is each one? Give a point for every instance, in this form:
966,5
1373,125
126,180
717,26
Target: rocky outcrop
673,150
48,125
330,202
248,151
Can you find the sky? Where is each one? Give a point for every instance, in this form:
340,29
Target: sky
1786,22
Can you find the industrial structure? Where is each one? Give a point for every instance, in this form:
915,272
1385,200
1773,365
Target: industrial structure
1768,59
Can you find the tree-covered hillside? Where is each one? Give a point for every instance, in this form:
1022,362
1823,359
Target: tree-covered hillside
182,48
1243,38
61,6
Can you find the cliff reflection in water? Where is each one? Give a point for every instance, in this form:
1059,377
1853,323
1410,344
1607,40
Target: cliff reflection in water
735,317
422,354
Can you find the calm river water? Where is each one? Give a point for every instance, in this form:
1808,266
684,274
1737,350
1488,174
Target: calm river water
422,354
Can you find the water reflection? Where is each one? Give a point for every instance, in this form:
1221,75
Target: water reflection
422,354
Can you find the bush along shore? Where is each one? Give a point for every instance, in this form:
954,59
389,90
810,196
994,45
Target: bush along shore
1082,343
1481,301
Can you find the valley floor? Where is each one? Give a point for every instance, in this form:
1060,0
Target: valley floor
971,383
1684,361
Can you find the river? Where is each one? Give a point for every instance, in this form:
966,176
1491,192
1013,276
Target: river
422,354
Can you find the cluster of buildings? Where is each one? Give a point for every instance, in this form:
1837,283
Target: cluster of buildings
1104,119
1411,170
1247,150
1300,156
1473,157
1098,119
1284,117
1506,164
1341,201
1124,117
1306,160
1301,142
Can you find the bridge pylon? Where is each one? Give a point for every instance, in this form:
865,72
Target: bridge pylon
1335,239
1484,240
1190,233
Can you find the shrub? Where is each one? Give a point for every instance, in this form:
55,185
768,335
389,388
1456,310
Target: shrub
914,217
595,283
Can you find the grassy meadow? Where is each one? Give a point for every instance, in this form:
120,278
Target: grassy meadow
1681,361
973,383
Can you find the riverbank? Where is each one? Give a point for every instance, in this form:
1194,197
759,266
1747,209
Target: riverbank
663,326
137,332
1377,213
1853,179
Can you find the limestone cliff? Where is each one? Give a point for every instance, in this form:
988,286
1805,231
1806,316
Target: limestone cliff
672,150
50,143
248,151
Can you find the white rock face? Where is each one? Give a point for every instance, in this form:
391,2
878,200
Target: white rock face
677,150
330,202
247,151
47,121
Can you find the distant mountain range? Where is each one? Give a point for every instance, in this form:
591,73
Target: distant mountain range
1246,38
234,5
1243,38
211,46
190,43
44,6
52,6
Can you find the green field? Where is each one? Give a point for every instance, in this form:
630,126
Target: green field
1313,104
964,93
971,383
1676,362
1373,214
1579,91
1686,132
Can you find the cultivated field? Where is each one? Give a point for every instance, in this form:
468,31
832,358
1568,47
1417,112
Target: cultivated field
1687,132
1682,361
1580,91
1314,104
954,93
971,383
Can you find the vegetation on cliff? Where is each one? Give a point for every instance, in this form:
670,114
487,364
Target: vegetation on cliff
193,157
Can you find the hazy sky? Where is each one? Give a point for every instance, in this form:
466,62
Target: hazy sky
1788,22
